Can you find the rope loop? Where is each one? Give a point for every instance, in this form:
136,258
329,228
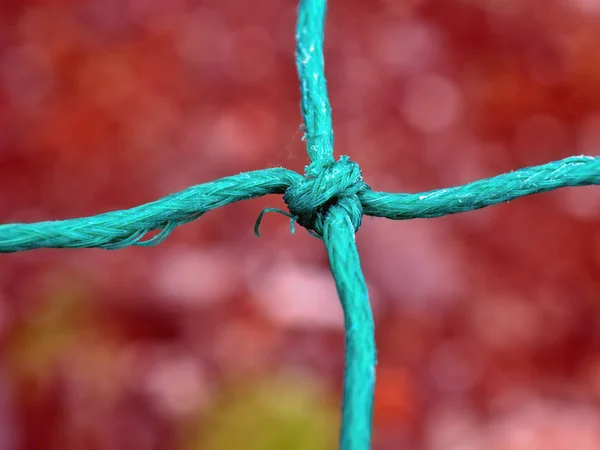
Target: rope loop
326,183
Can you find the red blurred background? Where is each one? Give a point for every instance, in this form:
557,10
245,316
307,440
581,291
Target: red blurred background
488,323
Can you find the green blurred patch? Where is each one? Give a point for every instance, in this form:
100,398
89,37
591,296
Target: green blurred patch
276,414
52,329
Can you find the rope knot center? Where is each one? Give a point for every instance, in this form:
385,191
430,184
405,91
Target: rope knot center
326,183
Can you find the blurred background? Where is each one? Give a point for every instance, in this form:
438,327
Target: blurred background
488,323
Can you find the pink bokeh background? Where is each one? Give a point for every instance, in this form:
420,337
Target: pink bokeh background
488,323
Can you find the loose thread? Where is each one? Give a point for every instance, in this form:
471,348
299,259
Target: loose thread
275,210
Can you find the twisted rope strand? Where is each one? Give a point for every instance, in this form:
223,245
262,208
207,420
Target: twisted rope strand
359,378
118,229
316,110
328,203
569,172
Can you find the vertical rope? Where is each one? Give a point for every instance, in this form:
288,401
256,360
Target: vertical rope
313,87
338,233
359,378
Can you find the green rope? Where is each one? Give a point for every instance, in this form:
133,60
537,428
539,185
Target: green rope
119,229
311,70
568,172
359,374
329,201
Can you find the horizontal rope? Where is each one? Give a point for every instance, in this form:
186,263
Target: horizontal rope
569,172
123,228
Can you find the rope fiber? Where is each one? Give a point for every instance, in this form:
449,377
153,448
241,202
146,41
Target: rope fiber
329,201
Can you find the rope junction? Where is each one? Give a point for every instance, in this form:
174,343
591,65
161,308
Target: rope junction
329,201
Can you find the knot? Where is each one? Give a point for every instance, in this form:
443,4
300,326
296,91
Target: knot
326,183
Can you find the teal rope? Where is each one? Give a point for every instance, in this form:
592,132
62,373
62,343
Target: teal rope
359,374
568,172
309,201
311,70
329,201
119,229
